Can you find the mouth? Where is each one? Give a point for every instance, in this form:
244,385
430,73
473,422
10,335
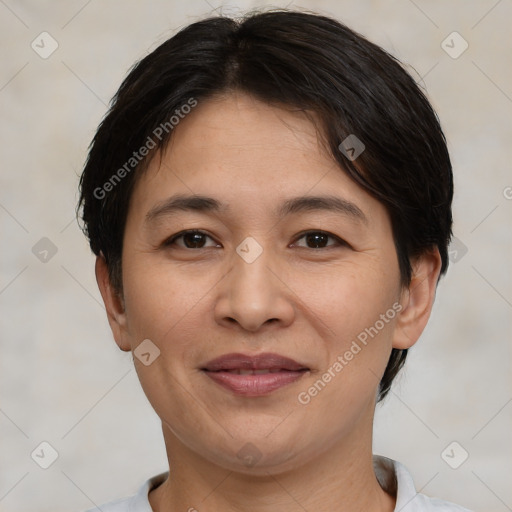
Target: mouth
254,375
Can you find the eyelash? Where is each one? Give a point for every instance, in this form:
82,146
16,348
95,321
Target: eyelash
170,241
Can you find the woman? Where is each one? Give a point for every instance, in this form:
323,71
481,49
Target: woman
269,201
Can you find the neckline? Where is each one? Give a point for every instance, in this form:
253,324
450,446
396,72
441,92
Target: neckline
384,468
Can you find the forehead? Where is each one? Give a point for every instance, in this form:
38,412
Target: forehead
237,125
247,153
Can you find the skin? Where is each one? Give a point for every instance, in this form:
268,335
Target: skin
301,299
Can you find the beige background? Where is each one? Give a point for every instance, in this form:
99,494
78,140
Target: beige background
62,378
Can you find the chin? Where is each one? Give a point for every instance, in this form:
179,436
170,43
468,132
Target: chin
259,455
254,462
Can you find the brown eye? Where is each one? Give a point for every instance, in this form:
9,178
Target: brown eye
193,240
319,240
190,240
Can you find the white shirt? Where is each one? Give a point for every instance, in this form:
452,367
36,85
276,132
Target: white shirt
392,476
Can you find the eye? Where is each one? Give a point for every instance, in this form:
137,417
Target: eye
191,239
319,240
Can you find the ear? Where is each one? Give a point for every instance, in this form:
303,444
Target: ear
113,304
417,300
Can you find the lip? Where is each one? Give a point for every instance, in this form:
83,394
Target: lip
281,371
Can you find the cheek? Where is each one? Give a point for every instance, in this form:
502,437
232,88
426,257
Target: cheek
163,307
354,310
159,299
349,297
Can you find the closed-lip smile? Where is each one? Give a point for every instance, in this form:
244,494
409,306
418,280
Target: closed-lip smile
253,375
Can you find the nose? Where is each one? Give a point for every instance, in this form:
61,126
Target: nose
254,296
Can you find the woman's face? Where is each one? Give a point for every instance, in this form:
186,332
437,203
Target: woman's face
269,271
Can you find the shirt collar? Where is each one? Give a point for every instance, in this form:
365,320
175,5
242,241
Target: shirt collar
392,476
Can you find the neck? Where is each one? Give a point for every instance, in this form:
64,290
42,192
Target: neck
341,478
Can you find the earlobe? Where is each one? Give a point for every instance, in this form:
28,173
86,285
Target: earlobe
113,304
417,300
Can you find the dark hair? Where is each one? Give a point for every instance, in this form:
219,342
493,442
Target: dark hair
290,59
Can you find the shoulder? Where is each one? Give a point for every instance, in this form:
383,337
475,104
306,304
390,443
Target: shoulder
120,505
138,502
420,502
395,477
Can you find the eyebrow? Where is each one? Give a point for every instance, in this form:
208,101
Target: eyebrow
299,204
